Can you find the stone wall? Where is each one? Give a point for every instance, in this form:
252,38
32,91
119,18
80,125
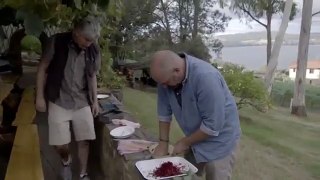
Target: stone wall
113,165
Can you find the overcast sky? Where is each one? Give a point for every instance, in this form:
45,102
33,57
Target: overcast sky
237,25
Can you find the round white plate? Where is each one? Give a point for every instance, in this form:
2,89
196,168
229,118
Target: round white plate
122,132
102,96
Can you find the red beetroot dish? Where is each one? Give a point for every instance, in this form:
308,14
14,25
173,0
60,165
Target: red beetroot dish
168,169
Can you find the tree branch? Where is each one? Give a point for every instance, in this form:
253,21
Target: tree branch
316,13
157,15
255,19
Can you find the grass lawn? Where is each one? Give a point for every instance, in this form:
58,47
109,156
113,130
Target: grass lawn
274,145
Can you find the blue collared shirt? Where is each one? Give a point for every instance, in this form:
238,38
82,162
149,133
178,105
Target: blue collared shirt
207,104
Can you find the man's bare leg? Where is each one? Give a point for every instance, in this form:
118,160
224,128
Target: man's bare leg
64,152
66,159
83,152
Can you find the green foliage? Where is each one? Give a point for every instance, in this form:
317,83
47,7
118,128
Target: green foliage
261,8
245,87
31,22
31,43
282,92
107,77
37,14
194,47
147,26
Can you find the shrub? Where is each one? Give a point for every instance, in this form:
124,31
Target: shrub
31,43
247,90
108,77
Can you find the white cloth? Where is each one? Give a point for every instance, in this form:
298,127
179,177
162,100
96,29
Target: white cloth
123,122
128,146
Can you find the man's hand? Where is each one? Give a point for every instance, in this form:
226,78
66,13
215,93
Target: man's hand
41,104
180,147
161,150
95,109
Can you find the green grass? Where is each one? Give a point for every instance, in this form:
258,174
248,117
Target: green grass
143,106
288,135
275,145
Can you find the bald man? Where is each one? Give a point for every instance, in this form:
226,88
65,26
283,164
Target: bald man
198,96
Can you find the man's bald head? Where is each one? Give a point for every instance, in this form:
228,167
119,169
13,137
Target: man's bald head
163,66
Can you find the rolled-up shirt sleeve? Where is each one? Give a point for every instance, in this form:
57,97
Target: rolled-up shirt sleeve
211,102
164,108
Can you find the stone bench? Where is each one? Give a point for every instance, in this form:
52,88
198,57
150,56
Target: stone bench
27,111
25,162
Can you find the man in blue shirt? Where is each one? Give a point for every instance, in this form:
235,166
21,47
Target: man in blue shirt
198,96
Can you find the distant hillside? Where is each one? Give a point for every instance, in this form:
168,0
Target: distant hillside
260,38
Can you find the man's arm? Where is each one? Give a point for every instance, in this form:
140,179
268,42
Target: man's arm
195,137
164,130
95,106
164,117
42,75
163,147
94,87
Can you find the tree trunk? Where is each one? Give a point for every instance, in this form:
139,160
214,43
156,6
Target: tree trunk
269,36
182,30
272,64
196,4
14,51
298,103
168,28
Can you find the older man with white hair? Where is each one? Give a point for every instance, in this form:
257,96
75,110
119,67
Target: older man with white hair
67,85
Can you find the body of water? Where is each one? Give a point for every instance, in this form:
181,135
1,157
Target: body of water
255,57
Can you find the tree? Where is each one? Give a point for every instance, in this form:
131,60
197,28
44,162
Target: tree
180,25
166,23
298,103
135,23
34,16
316,13
193,21
254,10
272,65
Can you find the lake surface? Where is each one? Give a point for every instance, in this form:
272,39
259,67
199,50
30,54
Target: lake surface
254,57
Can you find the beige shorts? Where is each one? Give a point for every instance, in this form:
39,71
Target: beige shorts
59,124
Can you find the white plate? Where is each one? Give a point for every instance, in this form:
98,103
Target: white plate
146,167
102,96
122,132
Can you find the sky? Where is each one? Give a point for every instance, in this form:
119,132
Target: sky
240,25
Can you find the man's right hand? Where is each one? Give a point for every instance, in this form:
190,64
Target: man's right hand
161,150
41,105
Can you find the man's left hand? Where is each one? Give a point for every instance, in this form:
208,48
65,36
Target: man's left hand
180,147
95,109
